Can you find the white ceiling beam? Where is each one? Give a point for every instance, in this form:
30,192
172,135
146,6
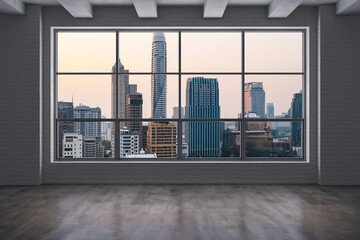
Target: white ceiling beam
214,8
146,8
78,8
348,7
12,6
282,8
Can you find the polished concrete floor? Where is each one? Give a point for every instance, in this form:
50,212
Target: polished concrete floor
158,212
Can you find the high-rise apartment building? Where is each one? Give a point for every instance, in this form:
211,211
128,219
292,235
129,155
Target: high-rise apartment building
129,142
92,147
134,103
202,102
296,112
161,139
255,98
91,128
270,110
158,81
72,145
65,111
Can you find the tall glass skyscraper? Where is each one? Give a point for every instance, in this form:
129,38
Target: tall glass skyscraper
255,98
296,112
158,81
202,102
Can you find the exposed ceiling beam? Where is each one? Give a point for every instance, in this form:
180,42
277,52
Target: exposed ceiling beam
146,8
78,8
12,6
214,8
282,8
348,6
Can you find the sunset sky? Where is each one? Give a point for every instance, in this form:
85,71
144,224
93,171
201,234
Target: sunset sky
201,52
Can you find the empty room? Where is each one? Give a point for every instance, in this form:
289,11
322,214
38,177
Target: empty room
179,119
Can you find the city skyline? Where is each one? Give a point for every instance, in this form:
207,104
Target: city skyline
135,52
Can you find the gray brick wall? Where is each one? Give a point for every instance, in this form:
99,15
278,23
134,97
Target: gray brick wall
340,97
19,101
19,98
180,172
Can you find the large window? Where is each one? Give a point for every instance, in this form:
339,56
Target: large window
191,94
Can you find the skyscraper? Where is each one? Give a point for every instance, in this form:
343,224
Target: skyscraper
202,102
91,128
270,110
296,112
123,90
255,98
65,111
158,81
134,103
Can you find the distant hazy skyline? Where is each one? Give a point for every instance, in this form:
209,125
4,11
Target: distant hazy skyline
201,52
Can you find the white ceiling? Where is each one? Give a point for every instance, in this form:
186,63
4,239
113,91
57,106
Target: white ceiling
148,8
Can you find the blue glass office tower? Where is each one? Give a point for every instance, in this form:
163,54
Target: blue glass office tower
202,102
296,112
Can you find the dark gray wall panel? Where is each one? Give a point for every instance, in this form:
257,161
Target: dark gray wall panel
180,172
19,97
340,97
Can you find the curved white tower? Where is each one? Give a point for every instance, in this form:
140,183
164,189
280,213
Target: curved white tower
158,81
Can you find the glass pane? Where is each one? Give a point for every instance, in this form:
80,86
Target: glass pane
273,139
85,91
273,96
211,96
148,139
146,96
273,52
211,52
86,51
211,139
149,51
85,139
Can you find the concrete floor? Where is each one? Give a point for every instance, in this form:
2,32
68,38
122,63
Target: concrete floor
148,212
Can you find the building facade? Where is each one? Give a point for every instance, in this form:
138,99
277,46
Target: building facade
92,147
72,145
91,128
123,90
230,143
254,98
161,139
65,111
296,112
158,81
134,104
270,110
202,102
129,142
